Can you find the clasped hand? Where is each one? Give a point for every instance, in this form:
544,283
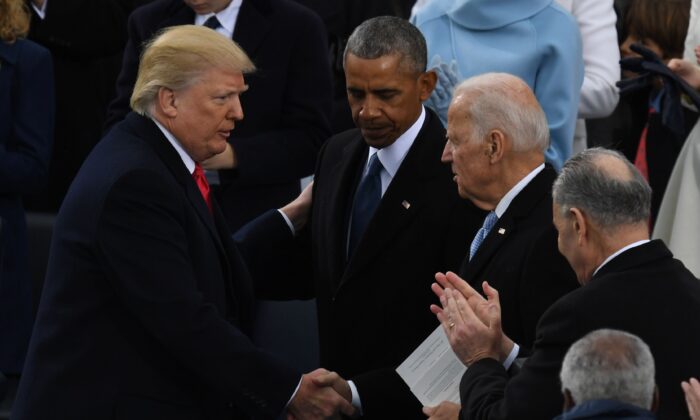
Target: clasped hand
322,395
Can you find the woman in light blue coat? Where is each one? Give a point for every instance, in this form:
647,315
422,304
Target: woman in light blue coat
535,40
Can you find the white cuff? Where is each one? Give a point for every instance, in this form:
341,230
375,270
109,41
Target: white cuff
289,222
294,393
355,397
40,12
511,357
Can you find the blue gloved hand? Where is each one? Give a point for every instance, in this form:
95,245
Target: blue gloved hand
448,77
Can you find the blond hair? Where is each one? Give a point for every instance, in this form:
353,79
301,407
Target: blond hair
178,56
14,20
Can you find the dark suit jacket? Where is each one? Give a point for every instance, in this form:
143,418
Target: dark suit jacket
146,299
287,108
26,134
373,311
86,39
644,291
520,258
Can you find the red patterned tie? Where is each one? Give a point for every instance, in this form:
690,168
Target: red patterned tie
202,183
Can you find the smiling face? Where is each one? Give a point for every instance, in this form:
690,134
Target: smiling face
202,7
385,97
202,115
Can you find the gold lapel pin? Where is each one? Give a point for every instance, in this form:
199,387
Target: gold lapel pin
501,231
406,204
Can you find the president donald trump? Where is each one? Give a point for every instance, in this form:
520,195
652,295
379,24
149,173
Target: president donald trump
147,302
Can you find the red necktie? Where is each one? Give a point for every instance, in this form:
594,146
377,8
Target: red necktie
640,160
202,183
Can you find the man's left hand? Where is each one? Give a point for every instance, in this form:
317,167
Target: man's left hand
446,410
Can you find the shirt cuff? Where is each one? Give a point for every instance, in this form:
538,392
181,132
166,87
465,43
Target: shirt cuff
289,222
294,394
355,398
40,12
511,357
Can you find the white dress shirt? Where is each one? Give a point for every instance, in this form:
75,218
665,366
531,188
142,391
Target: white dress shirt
40,12
227,18
391,158
186,158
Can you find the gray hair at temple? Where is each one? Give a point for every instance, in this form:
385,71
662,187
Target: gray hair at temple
504,102
609,364
611,195
389,35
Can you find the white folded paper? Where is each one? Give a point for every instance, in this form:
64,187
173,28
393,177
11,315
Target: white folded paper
433,370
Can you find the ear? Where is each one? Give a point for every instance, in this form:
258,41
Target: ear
166,102
569,402
655,401
580,224
496,142
426,84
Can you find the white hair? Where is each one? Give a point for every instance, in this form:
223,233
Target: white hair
609,364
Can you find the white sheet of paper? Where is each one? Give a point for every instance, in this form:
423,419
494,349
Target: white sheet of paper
433,370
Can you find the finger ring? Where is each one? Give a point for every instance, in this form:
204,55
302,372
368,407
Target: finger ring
452,324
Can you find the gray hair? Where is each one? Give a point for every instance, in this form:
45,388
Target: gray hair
505,102
610,200
389,35
609,364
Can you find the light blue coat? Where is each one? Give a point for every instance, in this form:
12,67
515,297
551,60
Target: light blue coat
535,40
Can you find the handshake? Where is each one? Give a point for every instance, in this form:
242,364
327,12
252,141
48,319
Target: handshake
321,395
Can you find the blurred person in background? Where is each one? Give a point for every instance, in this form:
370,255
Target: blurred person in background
26,133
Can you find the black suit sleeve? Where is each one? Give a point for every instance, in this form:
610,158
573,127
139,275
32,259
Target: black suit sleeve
143,242
279,263
487,391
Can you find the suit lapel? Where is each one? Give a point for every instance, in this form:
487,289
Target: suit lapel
345,175
521,206
252,25
155,138
403,199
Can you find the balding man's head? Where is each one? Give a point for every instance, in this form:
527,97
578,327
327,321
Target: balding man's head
504,102
606,187
609,364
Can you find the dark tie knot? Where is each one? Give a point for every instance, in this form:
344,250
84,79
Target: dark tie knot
212,23
374,167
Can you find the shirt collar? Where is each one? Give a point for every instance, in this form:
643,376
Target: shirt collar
392,155
186,159
227,17
510,195
620,251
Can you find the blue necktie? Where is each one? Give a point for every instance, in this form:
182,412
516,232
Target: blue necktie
212,23
489,223
367,198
